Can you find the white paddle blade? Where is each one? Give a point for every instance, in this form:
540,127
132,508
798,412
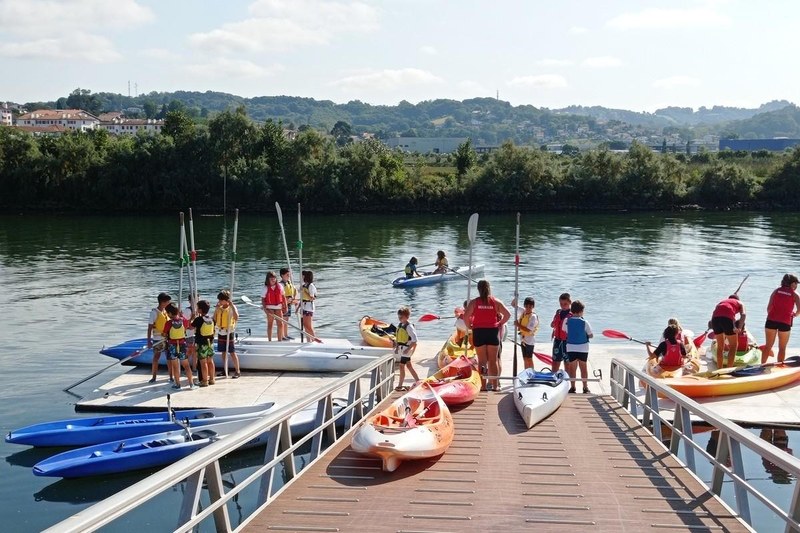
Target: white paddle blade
280,213
472,227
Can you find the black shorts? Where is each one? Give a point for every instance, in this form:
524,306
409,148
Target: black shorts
577,356
405,359
723,325
527,350
780,326
485,337
223,343
559,350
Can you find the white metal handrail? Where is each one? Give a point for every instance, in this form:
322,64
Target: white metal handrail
732,440
204,465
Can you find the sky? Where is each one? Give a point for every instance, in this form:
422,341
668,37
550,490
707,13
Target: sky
630,54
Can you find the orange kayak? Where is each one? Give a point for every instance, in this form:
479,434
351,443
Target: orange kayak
372,331
704,386
418,425
456,383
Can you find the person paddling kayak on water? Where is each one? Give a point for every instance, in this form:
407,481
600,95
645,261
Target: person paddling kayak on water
441,264
723,322
411,269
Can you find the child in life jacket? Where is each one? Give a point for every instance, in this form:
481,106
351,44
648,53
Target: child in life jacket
528,325
405,344
204,343
175,335
671,350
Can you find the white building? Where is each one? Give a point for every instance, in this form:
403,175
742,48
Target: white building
69,119
132,126
6,118
426,145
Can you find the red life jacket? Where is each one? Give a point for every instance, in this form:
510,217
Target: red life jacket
673,355
728,308
484,315
558,322
782,309
274,295
742,341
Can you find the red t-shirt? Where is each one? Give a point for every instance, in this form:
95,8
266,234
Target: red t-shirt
782,309
728,308
484,315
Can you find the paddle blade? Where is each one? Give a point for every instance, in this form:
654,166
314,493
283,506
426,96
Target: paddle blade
614,334
472,227
544,358
280,213
427,318
700,339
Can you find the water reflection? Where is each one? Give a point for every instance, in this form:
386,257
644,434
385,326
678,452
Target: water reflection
780,439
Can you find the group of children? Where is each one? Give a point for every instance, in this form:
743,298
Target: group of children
278,298
170,331
441,266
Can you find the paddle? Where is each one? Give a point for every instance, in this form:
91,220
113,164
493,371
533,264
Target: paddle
614,334
248,301
543,357
300,261
428,317
516,298
454,271
398,271
229,333
286,249
751,370
740,285
700,339
123,360
193,259
472,232
181,259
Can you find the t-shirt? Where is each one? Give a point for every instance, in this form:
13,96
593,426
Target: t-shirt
311,291
662,349
531,326
412,339
200,339
156,334
580,348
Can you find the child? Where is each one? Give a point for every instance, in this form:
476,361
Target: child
558,335
289,292
441,264
671,350
578,333
309,295
155,325
411,269
175,333
528,324
189,314
405,344
461,327
204,343
225,317
273,303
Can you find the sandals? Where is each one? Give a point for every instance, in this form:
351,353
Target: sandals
586,390
400,389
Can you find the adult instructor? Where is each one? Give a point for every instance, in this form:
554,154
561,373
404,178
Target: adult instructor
487,315
723,322
783,306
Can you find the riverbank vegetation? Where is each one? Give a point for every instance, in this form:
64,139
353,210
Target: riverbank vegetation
235,161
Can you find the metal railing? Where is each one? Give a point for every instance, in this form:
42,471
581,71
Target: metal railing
204,465
731,443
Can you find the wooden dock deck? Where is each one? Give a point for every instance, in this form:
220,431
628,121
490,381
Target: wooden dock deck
589,467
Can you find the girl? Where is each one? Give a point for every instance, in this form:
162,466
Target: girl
273,302
308,295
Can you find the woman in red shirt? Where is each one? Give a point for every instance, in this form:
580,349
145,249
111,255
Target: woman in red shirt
783,306
723,322
487,315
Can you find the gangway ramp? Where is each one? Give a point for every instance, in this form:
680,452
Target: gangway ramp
589,467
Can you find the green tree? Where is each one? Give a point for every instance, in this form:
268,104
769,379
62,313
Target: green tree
178,125
230,138
150,109
83,99
342,131
465,158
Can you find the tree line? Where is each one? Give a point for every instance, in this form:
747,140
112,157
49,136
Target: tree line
252,166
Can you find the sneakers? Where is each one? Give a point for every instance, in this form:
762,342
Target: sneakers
176,387
586,390
191,386
288,338
171,380
152,380
572,390
236,375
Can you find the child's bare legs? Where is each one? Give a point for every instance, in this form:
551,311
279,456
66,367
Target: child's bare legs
209,368
270,322
402,377
308,324
584,374
235,359
186,370
527,362
412,371
571,367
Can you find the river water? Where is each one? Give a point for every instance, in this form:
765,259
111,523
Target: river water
72,284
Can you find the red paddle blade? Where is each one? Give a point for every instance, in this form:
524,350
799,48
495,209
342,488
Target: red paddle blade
544,358
427,318
700,339
614,334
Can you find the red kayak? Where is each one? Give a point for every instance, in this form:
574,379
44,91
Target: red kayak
456,383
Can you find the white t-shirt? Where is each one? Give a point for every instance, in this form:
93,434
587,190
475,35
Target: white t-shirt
412,340
312,291
533,325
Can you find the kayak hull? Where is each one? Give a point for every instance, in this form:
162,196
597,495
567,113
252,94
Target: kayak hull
743,358
536,401
432,279
418,425
373,338
725,385
457,383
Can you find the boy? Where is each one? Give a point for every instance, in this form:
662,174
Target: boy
225,317
558,335
578,333
189,313
155,325
204,343
175,334
405,344
528,324
289,293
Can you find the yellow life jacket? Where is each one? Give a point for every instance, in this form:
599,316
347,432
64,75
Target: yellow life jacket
523,325
221,317
207,329
161,320
288,289
306,293
408,270
177,331
401,336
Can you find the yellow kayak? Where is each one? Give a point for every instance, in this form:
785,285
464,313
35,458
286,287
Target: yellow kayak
451,351
706,385
372,331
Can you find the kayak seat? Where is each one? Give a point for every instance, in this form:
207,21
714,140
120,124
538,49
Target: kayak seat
157,443
204,434
205,415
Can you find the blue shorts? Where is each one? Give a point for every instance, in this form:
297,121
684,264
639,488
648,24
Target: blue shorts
176,351
559,350
288,312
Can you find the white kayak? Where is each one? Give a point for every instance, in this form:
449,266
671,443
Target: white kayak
537,395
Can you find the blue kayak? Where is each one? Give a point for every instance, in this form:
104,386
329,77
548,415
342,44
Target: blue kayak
93,430
431,279
139,452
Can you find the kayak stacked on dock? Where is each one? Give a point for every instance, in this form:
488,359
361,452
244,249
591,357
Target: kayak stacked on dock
457,383
451,351
537,395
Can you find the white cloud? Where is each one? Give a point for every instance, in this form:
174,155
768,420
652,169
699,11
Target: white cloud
578,30
387,79
549,62
78,46
429,50
46,17
602,62
673,82
284,24
232,68
473,88
657,18
160,54
541,81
